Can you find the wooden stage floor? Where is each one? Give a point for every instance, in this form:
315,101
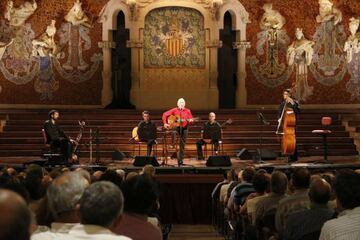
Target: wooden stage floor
194,165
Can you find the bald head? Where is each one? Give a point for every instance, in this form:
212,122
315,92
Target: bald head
320,191
14,218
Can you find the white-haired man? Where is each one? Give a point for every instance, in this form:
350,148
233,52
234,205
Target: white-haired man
185,117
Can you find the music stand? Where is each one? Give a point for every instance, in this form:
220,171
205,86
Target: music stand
173,134
212,132
147,132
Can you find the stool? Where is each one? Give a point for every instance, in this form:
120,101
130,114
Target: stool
325,122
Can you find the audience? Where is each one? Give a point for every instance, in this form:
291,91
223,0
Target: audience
62,197
261,184
347,225
140,196
15,217
268,205
101,207
309,222
231,177
297,201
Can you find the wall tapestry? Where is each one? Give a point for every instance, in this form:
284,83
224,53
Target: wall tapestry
174,37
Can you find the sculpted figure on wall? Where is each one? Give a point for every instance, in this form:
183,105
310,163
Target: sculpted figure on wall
18,16
300,53
352,49
45,45
3,47
272,19
328,12
77,37
352,44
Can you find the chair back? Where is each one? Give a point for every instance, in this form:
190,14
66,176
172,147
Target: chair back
326,121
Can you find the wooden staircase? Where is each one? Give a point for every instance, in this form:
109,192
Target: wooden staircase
351,121
21,131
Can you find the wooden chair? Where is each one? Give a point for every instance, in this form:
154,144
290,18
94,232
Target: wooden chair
324,132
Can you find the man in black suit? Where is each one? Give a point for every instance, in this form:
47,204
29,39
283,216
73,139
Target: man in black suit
147,131
56,137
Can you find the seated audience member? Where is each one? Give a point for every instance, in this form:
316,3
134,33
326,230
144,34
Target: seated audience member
268,205
330,178
15,217
101,207
140,196
347,225
215,194
297,201
131,175
62,197
149,170
111,176
231,177
121,173
96,176
260,183
35,185
243,189
310,221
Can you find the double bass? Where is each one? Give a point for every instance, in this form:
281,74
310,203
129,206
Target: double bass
288,122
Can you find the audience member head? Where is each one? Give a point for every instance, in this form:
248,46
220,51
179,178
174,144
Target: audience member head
111,176
279,182
101,204
64,194
260,181
140,195
149,170
121,173
96,175
248,174
300,178
85,174
34,181
347,189
320,191
131,175
15,217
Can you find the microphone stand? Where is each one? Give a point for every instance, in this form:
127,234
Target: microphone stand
263,123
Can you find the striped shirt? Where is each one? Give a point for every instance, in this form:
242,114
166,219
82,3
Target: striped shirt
345,227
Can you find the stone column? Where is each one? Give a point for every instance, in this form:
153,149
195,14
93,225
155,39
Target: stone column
241,47
106,92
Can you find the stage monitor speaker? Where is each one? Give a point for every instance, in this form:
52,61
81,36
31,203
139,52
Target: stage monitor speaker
244,154
218,161
266,154
118,155
141,161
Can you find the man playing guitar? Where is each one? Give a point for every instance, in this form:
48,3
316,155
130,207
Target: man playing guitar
184,117
146,132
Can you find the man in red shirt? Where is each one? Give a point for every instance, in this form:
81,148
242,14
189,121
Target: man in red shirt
185,117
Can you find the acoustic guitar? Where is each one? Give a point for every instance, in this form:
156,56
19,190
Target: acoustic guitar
174,121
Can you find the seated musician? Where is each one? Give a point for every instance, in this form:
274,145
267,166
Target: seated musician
211,131
289,102
56,137
147,131
185,118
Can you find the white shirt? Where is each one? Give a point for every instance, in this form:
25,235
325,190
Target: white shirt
44,233
81,232
345,227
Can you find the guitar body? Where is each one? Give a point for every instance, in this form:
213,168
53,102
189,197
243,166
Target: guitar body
134,134
174,121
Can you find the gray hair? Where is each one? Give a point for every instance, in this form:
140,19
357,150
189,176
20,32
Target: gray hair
101,204
65,192
279,182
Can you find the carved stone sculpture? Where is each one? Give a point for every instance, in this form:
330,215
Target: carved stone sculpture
328,12
300,53
352,44
272,19
45,45
18,16
76,15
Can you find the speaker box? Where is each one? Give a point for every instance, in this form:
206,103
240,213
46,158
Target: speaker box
118,155
218,161
244,154
141,161
266,154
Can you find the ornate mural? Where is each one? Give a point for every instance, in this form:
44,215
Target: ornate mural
174,38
